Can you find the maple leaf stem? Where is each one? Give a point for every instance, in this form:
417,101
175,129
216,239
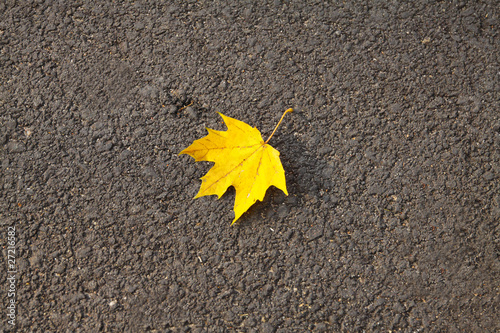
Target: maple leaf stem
283,116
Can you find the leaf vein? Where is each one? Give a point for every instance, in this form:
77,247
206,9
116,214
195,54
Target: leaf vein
230,171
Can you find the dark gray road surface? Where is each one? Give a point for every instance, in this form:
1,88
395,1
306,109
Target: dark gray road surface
392,164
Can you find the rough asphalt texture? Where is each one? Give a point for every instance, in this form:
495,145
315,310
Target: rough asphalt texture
392,164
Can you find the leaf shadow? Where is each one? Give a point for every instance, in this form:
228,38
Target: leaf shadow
310,181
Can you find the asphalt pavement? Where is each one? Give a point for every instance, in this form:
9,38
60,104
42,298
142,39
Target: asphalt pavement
391,157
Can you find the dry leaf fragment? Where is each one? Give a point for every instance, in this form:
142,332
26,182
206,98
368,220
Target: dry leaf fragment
242,159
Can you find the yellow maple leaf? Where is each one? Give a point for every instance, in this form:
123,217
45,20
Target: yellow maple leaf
242,160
